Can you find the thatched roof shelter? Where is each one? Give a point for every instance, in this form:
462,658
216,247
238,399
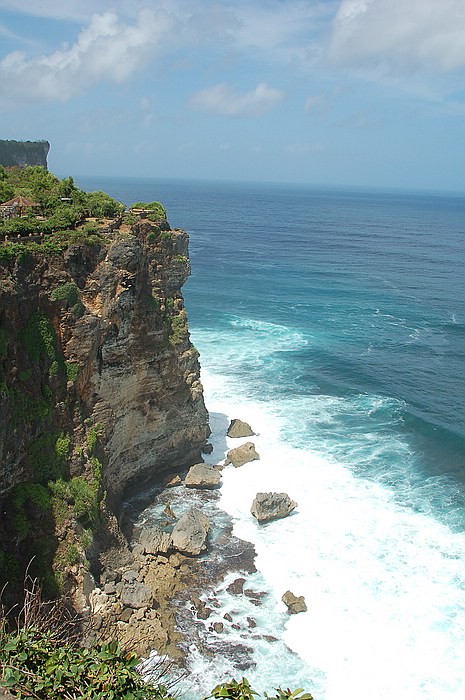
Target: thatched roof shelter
20,204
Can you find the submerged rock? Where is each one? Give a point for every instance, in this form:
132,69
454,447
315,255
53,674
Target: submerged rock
201,476
190,533
271,506
242,454
238,429
295,604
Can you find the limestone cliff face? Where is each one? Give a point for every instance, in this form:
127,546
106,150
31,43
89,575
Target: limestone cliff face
22,153
96,338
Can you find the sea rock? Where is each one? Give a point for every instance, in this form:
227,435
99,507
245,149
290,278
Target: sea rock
207,449
201,476
155,541
295,604
190,533
238,429
236,587
242,454
271,506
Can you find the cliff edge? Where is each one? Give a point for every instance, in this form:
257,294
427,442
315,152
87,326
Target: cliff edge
22,153
99,388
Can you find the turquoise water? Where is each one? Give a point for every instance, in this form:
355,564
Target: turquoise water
334,321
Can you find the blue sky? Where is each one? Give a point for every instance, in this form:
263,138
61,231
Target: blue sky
350,92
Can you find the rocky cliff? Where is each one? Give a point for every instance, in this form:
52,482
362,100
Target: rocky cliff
22,153
99,383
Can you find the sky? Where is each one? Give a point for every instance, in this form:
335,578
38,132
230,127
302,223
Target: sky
325,92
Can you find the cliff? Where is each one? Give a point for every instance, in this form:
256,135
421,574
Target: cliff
22,153
99,386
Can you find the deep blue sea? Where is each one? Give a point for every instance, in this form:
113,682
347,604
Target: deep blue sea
333,320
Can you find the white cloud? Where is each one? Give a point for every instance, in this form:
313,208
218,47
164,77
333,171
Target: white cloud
223,100
106,50
400,36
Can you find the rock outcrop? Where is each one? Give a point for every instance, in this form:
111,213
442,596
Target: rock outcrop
99,382
295,604
201,476
238,429
271,506
190,533
239,456
22,153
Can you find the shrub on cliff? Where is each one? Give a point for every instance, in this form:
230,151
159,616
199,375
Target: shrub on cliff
42,658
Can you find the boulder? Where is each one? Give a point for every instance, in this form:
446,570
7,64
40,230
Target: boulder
236,587
136,595
155,541
295,604
270,506
201,476
207,449
238,429
242,454
190,533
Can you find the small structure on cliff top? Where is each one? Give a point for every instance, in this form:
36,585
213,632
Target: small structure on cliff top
18,206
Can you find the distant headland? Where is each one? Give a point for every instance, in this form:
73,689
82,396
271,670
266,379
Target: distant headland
22,153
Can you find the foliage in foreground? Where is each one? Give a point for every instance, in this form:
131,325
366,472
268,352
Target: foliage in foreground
42,658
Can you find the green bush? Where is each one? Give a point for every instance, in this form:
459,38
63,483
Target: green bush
39,664
68,292
155,207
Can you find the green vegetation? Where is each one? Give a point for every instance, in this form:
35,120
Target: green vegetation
27,498
43,660
158,209
61,205
68,292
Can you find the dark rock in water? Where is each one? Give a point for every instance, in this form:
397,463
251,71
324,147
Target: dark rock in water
238,429
271,506
218,627
236,587
295,604
207,449
251,622
201,476
242,454
228,617
190,533
155,541
255,597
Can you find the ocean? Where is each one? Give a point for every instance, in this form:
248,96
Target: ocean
333,321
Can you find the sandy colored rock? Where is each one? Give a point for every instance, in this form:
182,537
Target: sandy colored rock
155,541
295,604
190,533
201,476
238,429
242,454
271,506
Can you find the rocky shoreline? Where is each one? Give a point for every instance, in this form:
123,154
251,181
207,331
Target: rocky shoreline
160,594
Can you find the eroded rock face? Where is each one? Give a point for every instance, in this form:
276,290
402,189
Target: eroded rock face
190,533
239,456
271,506
201,476
136,374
